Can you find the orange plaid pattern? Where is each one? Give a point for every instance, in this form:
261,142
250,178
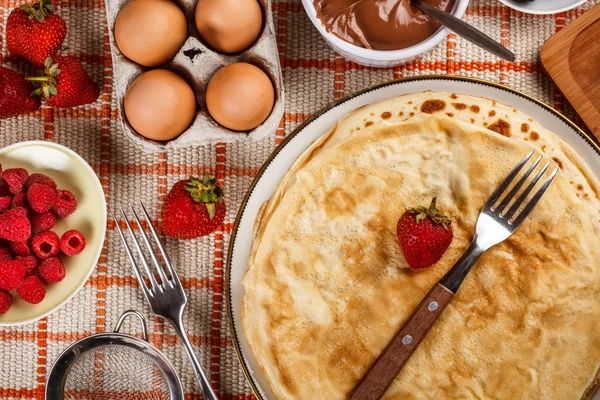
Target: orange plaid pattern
314,76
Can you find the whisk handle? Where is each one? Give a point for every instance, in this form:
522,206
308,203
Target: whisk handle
205,387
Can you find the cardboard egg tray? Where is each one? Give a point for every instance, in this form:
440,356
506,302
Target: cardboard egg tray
196,63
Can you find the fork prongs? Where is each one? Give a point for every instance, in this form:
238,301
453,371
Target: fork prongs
157,266
143,259
163,252
132,261
507,181
536,197
165,280
511,216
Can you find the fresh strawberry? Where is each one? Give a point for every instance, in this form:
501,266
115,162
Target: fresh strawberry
15,94
424,235
65,83
34,32
193,208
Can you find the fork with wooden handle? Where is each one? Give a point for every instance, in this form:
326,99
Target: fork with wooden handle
496,223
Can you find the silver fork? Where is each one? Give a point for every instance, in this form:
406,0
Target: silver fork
166,298
497,221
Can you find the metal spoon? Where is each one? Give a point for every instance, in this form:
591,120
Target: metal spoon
465,30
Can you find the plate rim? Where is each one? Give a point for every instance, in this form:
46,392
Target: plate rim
94,266
590,140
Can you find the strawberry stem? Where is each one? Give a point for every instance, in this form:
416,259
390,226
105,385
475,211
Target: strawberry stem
39,10
430,212
205,190
48,81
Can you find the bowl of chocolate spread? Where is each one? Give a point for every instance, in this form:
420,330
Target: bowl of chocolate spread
379,33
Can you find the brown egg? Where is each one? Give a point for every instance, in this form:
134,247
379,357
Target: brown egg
150,32
160,105
240,96
229,26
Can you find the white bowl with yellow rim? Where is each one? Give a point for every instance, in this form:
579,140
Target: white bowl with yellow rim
70,172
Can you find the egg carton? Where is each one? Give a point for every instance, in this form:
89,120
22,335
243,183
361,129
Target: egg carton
196,63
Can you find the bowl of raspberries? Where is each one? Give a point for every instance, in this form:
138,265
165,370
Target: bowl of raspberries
52,228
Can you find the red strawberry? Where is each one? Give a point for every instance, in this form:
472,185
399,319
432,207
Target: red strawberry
34,32
15,94
66,84
424,235
193,208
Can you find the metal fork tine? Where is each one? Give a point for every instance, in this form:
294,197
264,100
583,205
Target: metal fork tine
160,245
498,192
525,193
159,269
534,199
517,186
136,243
136,268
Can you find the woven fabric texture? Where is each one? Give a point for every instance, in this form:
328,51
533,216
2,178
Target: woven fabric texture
314,76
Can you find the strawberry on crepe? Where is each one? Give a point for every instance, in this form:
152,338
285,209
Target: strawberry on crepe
424,235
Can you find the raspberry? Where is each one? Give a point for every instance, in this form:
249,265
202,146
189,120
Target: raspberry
72,243
5,202
32,290
4,188
40,197
42,222
16,179
45,245
11,274
5,301
20,248
41,179
20,200
14,225
5,253
51,270
30,263
65,204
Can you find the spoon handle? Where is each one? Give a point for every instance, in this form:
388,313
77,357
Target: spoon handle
465,30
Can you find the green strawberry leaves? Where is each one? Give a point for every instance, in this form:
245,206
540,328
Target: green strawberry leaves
48,82
39,10
205,190
431,212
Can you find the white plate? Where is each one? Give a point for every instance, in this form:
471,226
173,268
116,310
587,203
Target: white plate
543,6
70,172
283,157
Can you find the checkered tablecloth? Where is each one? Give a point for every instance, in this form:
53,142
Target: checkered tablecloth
314,76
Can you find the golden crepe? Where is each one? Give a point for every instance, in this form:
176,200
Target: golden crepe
327,286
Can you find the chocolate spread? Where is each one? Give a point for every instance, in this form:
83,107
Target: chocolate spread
379,24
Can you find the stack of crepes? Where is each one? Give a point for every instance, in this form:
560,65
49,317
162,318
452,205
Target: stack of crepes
328,287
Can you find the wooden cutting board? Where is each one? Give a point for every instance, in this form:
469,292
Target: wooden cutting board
572,59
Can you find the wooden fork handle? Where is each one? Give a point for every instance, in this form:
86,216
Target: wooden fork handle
393,358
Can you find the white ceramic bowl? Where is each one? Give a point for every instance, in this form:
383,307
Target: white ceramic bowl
70,172
542,6
381,58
